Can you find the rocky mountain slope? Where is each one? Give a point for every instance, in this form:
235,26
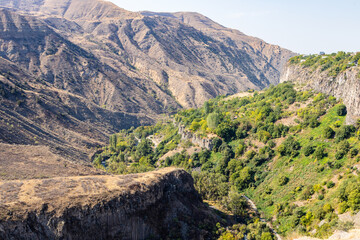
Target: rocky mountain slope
161,204
74,71
345,85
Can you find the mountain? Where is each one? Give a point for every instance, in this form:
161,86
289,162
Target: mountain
75,71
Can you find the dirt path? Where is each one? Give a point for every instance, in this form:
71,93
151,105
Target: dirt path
253,207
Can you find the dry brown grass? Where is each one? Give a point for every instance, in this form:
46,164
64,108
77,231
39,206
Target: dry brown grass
63,192
29,162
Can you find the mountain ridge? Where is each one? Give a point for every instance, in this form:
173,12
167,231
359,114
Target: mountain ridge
121,64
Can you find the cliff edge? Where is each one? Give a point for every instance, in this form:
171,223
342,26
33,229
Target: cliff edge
345,86
160,204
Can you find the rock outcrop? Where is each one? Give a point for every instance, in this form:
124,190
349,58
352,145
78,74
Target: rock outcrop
195,139
155,205
345,86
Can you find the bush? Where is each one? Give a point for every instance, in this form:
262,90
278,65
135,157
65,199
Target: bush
307,193
320,152
330,184
344,133
313,122
344,146
308,150
339,155
328,208
354,152
217,142
341,110
290,147
271,144
329,132
283,180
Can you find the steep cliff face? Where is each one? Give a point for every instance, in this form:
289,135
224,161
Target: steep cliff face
345,86
155,205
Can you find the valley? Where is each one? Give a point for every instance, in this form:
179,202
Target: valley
288,150
154,125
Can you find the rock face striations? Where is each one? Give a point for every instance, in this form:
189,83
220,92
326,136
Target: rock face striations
72,72
345,86
155,205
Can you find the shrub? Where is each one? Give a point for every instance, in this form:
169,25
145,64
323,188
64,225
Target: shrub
328,208
240,150
320,152
308,150
329,132
217,142
341,110
337,165
313,122
290,147
330,184
354,152
344,146
283,180
271,144
339,155
344,132
307,193
235,203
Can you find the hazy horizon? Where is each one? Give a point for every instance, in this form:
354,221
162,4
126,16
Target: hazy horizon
302,27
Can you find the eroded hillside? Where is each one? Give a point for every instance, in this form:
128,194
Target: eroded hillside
74,71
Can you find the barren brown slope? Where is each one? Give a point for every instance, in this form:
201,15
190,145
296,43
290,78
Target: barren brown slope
269,59
55,93
194,62
158,205
86,68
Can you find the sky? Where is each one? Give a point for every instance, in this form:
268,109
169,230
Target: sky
303,26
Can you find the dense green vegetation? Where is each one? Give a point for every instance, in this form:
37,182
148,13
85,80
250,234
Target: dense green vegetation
333,63
288,150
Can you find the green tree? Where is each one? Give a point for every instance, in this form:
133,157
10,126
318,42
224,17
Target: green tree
144,148
213,120
236,203
207,108
226,131
266,236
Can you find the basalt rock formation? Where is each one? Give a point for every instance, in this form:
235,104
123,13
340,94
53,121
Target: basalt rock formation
155,205
72,72
206,143
345,86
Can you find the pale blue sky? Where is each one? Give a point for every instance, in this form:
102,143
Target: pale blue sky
303,26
